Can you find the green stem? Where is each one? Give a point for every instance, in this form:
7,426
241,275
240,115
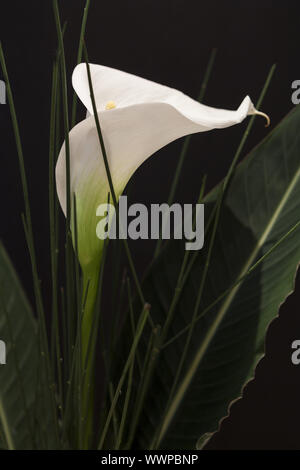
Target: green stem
90,276
90,284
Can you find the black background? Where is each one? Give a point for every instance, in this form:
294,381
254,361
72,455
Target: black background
168,41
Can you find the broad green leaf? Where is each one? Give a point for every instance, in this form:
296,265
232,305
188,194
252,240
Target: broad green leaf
262,204
18,377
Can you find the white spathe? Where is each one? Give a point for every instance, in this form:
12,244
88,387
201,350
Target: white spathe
137,118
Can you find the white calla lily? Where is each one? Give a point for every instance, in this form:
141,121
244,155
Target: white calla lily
137,117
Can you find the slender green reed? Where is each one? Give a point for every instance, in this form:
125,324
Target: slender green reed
130,359
79,56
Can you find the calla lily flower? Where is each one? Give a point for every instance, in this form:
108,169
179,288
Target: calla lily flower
137,117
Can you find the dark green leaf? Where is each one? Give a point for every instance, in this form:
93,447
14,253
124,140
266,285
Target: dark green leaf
261,205
18,377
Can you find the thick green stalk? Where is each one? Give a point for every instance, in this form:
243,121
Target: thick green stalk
90,278
90,285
